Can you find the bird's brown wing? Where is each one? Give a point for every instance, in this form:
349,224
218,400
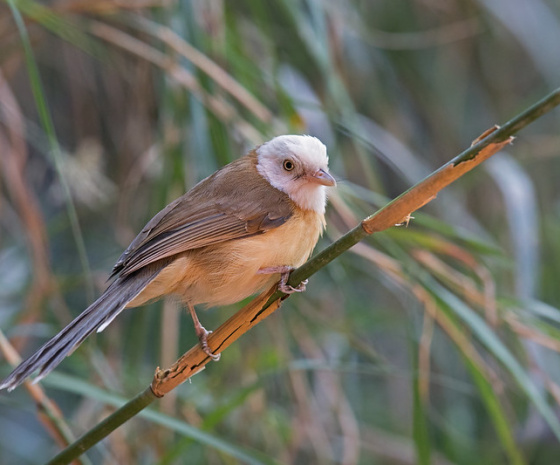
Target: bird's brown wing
233,203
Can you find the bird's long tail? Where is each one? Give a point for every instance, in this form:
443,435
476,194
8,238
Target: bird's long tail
94,318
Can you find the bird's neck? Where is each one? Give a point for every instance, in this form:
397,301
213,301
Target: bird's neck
310,197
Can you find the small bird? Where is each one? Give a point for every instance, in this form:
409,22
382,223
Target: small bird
234,234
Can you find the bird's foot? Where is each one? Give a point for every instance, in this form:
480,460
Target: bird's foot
287,289
202,333
283,285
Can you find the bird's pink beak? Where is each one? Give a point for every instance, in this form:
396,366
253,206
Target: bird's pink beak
323,177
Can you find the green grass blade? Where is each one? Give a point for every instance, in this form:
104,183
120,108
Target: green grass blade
54,146
497,348
501,423
70,384
420,427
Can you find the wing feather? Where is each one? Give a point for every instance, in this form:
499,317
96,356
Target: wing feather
221,208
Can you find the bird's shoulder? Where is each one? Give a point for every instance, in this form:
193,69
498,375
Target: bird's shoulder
234,202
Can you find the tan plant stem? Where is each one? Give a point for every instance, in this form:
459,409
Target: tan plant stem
396,211
47,411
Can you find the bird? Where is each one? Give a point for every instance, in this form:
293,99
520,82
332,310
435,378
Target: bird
234,234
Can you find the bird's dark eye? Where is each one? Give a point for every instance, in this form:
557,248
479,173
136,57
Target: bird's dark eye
288,165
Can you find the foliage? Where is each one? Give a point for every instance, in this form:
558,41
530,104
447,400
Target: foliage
426,344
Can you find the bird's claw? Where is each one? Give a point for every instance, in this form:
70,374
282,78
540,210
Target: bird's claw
287,289
202,334
283,285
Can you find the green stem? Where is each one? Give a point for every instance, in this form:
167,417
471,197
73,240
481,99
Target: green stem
103,429
322,259
357,234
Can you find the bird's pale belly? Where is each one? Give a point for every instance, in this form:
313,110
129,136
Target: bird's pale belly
225,273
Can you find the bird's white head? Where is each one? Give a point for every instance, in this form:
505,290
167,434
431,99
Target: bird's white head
298,166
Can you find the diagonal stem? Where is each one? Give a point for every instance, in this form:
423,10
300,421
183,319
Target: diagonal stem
104,428
394,212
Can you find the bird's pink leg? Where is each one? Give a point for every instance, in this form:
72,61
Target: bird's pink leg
284,276
202,334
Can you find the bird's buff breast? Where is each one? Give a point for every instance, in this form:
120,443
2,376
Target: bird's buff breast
228,272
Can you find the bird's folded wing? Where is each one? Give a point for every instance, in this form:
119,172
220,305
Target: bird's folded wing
192,222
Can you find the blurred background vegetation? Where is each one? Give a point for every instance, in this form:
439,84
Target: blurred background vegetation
433,343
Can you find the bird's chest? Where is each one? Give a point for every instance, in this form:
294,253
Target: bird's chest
288,245
232,268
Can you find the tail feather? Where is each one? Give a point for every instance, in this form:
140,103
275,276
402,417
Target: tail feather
96,317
